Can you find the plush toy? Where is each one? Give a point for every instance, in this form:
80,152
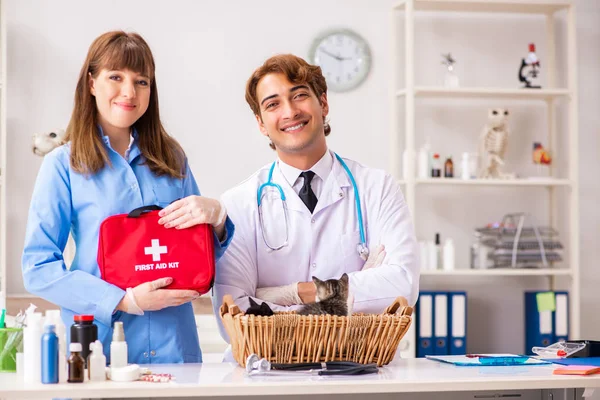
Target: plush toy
492,145
44,143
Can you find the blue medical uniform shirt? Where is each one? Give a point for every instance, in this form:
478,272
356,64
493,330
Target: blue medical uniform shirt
63,201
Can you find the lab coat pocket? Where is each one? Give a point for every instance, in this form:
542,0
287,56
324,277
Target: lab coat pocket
348,259
166,194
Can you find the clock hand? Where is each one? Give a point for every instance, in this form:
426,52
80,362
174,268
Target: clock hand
333,55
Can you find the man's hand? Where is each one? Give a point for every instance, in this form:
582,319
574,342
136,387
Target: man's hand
150,297
376,258
286,295
307,292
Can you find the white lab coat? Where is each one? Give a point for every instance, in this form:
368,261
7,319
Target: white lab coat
323,244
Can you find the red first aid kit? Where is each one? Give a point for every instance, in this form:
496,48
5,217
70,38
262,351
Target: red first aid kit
133,249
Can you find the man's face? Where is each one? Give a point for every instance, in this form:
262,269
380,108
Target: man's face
291,115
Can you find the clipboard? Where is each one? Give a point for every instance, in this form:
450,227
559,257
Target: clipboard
483,360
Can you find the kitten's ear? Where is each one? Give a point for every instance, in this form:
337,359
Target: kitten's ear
253,303
344,278
316,280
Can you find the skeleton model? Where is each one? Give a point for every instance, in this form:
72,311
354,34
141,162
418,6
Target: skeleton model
492,145
44,143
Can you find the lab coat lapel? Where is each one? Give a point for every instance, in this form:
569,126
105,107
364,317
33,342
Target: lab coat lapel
335,188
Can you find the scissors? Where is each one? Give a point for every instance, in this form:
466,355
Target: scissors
256,366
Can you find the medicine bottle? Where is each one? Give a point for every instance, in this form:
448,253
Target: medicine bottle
84,331
75,363
449,168
436,168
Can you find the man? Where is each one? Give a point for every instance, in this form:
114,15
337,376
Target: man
275,253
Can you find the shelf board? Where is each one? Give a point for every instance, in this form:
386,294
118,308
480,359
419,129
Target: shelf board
490,6
496,93
494,182
501,272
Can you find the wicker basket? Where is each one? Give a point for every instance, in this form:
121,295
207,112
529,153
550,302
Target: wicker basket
287,337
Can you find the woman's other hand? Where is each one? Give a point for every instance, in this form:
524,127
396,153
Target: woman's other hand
194,210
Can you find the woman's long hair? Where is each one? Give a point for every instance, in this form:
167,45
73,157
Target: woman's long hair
115,51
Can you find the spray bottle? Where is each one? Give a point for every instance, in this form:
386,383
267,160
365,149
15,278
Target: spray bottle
118,347
32,347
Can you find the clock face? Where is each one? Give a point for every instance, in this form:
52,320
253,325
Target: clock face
344,58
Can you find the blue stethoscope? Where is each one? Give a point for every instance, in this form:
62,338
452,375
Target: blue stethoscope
361,248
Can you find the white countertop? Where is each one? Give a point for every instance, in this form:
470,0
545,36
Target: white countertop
227,379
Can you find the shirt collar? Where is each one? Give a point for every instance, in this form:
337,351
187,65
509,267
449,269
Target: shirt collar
322,169
132,149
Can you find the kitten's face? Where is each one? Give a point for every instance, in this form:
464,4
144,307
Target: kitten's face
331,288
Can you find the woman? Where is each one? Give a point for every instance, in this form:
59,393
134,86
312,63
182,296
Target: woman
117,157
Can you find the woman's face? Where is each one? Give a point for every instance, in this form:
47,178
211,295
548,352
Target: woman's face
122,97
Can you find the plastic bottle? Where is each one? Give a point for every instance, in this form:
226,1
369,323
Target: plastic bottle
435,253
84,331
464,167
423,161
118,347
448,255
438,252
76,364
49,355
32,349
96,362
436,168
53,318
449,168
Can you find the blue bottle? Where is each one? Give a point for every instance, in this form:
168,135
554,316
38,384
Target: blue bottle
49,355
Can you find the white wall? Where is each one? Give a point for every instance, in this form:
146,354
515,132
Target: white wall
205,51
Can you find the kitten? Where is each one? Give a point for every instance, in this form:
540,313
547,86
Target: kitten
332,298
255,309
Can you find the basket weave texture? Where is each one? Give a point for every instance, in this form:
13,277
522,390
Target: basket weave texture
287,337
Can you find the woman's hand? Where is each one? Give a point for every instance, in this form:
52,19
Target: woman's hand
194,210
150,297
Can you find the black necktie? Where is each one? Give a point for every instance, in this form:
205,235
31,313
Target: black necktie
306,193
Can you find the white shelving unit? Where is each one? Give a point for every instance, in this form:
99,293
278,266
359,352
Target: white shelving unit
3,152
404,12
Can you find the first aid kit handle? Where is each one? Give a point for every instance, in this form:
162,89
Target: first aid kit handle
140,210
400,304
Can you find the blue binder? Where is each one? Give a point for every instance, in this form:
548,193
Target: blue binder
457,323
440,323
561,317
424,328
538,325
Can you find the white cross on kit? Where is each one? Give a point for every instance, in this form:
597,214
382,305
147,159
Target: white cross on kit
156,250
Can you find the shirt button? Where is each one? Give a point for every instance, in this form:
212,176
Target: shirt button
341,194
314,265
134,186
312,220
146,354
152,353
